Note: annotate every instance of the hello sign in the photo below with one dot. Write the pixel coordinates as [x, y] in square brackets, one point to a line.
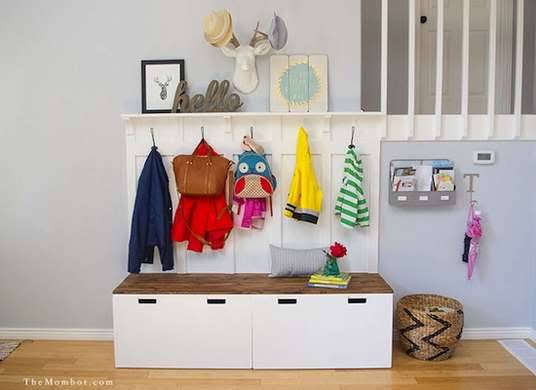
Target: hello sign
[214, 100]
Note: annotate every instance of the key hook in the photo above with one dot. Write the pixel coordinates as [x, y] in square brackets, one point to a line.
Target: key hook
[351, 146]
[152, 137]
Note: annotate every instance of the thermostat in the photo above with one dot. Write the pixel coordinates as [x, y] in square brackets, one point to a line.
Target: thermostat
[484, 157]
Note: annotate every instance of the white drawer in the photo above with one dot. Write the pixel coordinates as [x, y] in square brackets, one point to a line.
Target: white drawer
[182, 331]
[322, 331]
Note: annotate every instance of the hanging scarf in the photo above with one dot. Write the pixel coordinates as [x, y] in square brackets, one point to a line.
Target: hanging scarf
[250, 212]
[351, 204]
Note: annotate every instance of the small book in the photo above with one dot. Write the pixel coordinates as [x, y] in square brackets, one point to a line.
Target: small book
[327, 285]
[331, 282]
[343, 276]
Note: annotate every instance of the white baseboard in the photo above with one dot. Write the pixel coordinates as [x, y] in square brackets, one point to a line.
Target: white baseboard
[56, 334]
[107, 334]
[533, 335]
[496, 333]
[492, 333]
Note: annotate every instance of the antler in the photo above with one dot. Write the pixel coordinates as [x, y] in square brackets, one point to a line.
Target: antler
[257, 37]
[234, 41]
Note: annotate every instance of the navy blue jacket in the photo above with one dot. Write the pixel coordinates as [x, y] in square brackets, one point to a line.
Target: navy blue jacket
[151, 219]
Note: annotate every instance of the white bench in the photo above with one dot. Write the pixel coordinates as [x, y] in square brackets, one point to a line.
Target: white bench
[251, 321]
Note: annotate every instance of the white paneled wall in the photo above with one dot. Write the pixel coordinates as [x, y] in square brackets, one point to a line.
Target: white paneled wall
[329, 135]
[248, 251]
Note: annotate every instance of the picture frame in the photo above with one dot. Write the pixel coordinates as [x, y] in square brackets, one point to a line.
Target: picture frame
[159, 80]
[299, 83]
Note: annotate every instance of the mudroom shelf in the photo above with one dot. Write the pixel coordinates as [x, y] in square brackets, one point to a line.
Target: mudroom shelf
[256, 114]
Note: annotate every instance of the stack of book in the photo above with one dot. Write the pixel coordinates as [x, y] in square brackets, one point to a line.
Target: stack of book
[333, 281]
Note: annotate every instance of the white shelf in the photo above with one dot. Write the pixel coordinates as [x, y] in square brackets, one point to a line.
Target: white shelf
[255, 114]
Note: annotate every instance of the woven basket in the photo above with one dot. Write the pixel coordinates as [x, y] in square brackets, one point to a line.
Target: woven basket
[430, 326]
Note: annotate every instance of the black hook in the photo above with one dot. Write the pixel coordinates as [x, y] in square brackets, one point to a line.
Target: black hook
[251, 132]
[351, 146]
[202, 132]
[152, 136]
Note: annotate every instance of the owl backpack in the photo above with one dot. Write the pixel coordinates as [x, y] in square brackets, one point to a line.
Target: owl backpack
[253, 176]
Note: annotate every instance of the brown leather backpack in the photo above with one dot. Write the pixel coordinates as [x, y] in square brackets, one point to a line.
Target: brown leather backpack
[201, 175]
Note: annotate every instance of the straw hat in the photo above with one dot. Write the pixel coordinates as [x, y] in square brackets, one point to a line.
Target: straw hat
[218, 28]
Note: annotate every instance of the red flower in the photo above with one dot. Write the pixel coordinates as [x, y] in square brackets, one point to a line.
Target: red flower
[337, 250]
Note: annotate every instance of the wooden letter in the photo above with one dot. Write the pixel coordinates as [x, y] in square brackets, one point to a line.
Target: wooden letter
[179, 93]
[215, 99]
[211, 96]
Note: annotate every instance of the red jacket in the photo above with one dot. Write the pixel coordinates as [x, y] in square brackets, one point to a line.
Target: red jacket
[202, 220]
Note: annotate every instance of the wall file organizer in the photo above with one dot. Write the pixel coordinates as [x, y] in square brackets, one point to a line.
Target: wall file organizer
[422, 182]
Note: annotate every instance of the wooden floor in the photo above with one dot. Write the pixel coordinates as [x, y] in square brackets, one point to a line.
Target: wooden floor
[477, 365]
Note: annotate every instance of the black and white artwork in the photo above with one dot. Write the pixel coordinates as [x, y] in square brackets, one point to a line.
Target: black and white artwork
[159, 80]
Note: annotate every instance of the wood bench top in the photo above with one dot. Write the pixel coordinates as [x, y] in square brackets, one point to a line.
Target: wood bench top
[179, 283]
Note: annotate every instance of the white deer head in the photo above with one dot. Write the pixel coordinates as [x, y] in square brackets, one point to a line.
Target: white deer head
[218, 30]
[245, 77]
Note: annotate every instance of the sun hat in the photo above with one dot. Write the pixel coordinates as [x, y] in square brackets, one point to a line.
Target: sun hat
[218, 28]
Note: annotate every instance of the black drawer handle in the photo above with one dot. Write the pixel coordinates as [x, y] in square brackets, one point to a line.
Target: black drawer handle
[215, 301]
[287, 301]
[146, 300]
[357, 300]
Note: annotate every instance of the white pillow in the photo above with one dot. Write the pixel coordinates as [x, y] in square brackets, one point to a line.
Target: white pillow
[296, 262]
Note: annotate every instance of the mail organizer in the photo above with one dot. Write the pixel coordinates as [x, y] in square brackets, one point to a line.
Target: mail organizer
[426, 182]
[251, 321]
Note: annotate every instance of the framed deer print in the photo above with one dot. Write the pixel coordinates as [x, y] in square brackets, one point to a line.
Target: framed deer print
[159, 80]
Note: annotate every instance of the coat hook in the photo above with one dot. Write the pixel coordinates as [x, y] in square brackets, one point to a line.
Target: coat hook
[202, 132]
[471, 177]
[251, 131]
[152, 137]
[351, 146]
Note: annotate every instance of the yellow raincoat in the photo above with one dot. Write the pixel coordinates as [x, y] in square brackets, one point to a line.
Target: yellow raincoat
[305, 197]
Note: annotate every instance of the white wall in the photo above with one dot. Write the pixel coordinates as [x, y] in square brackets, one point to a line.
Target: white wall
[420, 248]
[69, 69]
[529, 57]
[533, 6]
[533, 298]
